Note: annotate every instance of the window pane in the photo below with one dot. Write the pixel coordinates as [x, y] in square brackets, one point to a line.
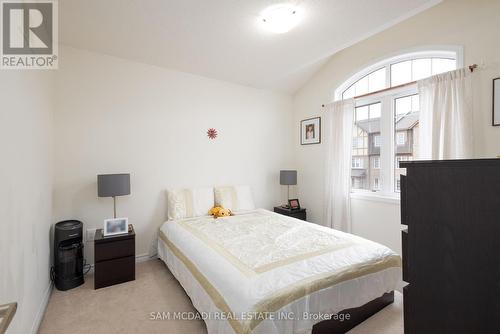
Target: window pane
[375, 110]
[365, 172]
[415, 103]
[441, 65]
[362, 86]
[421, 69]
[348, 93]
[362, 113]
[403, 105]
[406, 125]
[376, 80]
[370, 83]
[401, 73]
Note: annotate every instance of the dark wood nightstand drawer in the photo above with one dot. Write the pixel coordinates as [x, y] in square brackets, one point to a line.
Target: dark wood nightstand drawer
[114, 272]
[112, 250]
[114, 258]
[299, 213]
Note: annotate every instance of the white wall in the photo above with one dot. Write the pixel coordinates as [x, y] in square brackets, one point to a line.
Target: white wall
[25, 193]
[471, 24]
[115, 115]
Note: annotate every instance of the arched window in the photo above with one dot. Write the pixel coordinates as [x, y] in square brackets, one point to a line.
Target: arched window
[386, 121]
[400, 69]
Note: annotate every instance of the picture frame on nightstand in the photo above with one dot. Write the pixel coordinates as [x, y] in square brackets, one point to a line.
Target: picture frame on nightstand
[294, 204]
[115, 226]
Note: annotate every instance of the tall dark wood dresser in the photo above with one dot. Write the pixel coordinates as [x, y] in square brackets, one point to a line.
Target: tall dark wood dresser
[451, 248]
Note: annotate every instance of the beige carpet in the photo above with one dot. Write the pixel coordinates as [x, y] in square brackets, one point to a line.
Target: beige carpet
[126, 308]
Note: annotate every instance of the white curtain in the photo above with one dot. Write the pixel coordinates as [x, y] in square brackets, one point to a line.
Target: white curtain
[338, 130]
[446, 116]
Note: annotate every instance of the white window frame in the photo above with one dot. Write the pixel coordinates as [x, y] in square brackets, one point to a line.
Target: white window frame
[433, 51]
[377, 140]
[376, 165]
[387, 133]
[387, 191]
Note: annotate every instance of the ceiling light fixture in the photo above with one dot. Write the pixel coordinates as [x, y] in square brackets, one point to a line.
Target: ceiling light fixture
[280, 18]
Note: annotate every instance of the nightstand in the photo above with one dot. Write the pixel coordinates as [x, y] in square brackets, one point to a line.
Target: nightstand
[114, 259]
[299, 213]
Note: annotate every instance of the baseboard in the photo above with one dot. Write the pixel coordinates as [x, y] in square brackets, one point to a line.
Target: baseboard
[145, 257]
[41, 309]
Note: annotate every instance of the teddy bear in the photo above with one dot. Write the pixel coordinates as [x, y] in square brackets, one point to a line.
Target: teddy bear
[219, 211]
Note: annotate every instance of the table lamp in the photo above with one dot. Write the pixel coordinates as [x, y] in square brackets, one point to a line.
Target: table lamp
[288, 178]
[112, 185]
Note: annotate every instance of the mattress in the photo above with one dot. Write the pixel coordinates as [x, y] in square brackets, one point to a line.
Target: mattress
[261, 272]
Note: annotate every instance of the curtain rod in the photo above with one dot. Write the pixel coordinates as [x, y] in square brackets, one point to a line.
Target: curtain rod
[471, 68]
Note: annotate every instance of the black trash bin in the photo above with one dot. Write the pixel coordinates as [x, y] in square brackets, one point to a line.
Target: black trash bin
[68, 254]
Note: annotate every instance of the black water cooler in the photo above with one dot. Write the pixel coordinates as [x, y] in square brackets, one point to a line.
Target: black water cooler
[68, 254]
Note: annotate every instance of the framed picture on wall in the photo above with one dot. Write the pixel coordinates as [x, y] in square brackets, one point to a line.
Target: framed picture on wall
[310, 131]
[496, 102]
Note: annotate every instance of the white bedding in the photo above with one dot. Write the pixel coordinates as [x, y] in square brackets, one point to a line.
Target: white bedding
[261, 271]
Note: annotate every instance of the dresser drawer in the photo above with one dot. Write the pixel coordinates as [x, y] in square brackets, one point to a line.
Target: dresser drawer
[404, 249]
[404, 201]
[114, 271]
[407, 315]
[111, 250]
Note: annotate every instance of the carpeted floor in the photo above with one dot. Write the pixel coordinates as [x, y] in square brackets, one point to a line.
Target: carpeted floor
[126, 308]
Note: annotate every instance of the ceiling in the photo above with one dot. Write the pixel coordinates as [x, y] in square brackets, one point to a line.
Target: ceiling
[223, 39]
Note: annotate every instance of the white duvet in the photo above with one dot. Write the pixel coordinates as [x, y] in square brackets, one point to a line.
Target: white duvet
[261, 272]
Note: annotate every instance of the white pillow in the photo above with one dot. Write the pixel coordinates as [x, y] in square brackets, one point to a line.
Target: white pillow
[187, 203]
[234, 198]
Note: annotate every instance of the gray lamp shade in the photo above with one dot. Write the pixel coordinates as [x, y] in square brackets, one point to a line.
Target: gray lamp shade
[288, 177]
[111, 185]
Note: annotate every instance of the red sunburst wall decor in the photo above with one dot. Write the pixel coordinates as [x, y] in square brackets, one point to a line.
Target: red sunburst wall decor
[212, 133]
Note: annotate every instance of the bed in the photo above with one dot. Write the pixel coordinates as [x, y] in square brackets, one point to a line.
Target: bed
[261, 272]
